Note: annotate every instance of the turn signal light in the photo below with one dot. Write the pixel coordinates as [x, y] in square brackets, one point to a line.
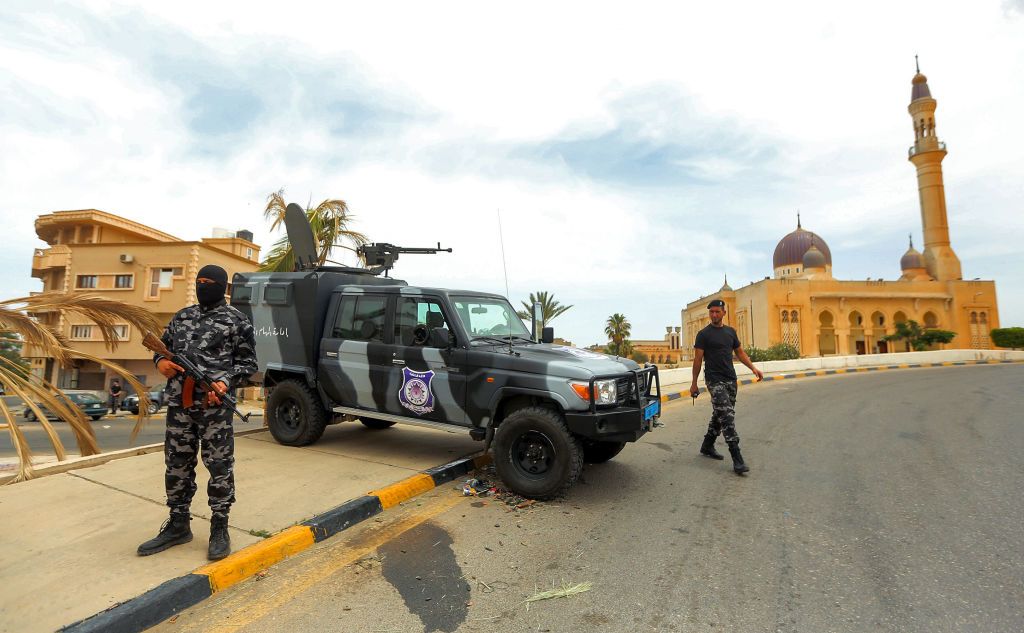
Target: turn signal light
[583, 391]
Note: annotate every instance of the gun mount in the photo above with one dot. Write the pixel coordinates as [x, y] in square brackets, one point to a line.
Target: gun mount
[381, 257]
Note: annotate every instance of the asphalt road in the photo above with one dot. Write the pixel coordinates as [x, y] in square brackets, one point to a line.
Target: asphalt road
[885, 501]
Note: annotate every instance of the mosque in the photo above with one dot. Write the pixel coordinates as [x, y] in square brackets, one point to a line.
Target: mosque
[803, 305]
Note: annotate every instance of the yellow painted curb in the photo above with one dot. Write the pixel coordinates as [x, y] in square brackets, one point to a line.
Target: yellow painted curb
[394, 494]
[257, 557]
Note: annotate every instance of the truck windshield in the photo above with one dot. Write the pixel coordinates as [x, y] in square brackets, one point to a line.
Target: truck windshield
[487, 317]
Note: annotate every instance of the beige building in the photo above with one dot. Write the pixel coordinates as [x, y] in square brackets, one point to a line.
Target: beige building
[667, 351]
[98, 252]
[803, 305]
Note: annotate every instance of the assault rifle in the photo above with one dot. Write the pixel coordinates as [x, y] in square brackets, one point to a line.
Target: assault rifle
[381, 257]
[192, 374]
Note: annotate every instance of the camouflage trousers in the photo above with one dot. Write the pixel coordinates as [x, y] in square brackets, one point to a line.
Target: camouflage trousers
[187, 430]
[723, 416]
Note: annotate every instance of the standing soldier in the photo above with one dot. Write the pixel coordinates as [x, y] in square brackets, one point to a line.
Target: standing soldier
[715, 345]
[220, 341]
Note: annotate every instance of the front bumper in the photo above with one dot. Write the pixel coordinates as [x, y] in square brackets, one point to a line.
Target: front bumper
[624, 423]
[621, 424]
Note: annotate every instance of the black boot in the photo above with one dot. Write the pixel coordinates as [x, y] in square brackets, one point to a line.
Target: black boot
[737, 459]
[220, 542]
[175, 531]
[708, 447]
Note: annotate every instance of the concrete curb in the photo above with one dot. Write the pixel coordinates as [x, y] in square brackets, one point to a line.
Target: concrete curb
[172, 597]
[675, 395]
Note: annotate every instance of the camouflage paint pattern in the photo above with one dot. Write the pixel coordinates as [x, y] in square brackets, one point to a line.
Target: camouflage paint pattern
[723, 411]
[188, 432]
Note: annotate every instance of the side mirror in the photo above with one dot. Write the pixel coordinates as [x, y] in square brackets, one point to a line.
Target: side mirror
[547, 335]
[538, 318]
[440, 338]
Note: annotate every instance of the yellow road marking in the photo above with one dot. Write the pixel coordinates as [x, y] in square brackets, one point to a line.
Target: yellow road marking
[257, 557]
[244, 605]
[394, 494]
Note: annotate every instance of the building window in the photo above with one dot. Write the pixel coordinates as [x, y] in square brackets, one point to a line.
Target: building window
[248, 252]
[81, 332]
[86, 281]
[162, 279]
[124, 281]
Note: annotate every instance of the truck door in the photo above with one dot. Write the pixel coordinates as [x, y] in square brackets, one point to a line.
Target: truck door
[356, 353]
[431, 382]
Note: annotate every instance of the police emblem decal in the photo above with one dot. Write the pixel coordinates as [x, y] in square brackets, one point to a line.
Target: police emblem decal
[416, 393]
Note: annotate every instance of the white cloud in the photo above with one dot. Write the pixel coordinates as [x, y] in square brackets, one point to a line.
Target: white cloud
[726, 119]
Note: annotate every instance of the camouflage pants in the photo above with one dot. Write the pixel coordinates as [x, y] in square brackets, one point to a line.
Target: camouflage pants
[723, 416]
[187, 429]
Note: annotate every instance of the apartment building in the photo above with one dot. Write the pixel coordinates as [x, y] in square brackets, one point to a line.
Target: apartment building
[99, 252]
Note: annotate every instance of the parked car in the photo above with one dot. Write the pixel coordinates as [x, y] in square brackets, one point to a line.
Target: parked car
[130, 403]
[87, 401]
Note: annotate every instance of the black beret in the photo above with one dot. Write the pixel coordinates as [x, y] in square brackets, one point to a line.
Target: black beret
[716, 303]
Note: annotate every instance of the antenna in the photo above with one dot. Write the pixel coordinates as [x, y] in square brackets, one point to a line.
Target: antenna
[504, 266]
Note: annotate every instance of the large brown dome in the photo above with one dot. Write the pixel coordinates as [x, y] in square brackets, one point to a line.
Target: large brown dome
[791, 249]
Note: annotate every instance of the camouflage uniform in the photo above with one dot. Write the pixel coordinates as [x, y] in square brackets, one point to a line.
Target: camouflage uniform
[723, 416]
[220, 341]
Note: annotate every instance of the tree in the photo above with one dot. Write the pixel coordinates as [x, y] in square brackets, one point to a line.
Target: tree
[618, 329]
[550, 309]
[17, 320]
[640, 357]
[1012, 337]
[329, 221]
[918, 338]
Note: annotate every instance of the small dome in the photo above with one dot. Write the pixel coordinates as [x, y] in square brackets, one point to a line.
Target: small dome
[790, 250]
[725, 286]
[912, 258]
[920, 88]
[814, 258]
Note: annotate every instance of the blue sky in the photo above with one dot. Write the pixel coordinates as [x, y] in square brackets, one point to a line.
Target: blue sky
[635, 156]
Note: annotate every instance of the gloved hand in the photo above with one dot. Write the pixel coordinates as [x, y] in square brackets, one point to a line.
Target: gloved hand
[168, 368]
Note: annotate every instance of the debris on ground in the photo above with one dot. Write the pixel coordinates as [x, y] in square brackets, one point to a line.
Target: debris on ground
[487, 484]
[564, 591]
[260, 575]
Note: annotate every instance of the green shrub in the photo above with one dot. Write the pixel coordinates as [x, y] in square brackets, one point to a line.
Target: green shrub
[1012, 337]
[779, 351]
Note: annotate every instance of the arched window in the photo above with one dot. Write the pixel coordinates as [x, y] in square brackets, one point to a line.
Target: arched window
[794, 316]
[791, 328]
[930, 320]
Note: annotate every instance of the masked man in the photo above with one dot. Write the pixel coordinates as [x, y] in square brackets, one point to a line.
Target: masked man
[220, 341]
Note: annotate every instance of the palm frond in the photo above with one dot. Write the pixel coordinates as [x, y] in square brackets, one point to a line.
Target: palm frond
[21, 447]
[140, 389]
[33, 332]
[275, 209]
[106, 313]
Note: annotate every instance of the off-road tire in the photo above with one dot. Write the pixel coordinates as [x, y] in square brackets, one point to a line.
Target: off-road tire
[522, 434]
[95, 417]
[294, 414]
[595, 452]
[376, 424]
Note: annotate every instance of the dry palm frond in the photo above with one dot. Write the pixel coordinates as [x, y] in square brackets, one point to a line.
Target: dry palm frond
[139, 388]
[39, 395]
[105, 313]
[328, 221]
[20, 445]
[564, 591]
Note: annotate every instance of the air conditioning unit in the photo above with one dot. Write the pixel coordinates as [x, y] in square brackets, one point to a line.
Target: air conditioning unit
[126, 258]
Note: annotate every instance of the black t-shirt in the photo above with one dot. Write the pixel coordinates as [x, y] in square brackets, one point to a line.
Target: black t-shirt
[718, 344]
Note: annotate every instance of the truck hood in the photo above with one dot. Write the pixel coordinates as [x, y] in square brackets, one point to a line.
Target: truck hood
[560, 360]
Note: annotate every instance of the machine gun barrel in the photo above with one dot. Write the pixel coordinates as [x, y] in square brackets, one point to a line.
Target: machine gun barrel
[205, 382]
[380, 257]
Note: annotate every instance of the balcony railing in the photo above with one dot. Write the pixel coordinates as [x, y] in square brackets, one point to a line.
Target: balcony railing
[55, 257]
[921, 148]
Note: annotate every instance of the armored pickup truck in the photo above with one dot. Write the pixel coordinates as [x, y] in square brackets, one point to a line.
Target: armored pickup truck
[337, 343]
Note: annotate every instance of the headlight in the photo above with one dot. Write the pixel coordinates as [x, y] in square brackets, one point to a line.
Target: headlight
[605, 391]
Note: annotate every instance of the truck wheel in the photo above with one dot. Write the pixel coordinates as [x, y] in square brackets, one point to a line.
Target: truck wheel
[152, 408]
[536, 455]
[294, 414]
[376, 424]
[595, 452]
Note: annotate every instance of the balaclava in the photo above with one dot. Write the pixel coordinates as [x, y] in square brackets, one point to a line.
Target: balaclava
[211, 294]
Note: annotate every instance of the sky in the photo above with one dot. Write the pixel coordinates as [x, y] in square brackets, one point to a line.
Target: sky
[636, 153]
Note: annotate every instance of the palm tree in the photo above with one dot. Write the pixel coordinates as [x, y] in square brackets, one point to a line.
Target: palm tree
[17, 318]
[550, 309]
[618, 330]
[329, 221]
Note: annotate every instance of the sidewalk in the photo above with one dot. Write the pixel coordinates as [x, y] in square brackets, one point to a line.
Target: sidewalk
[69, 543]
